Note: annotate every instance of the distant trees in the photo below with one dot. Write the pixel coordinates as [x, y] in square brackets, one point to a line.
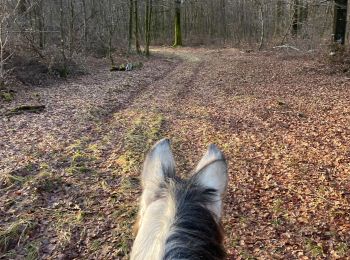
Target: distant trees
[101, 26]
[8, 18]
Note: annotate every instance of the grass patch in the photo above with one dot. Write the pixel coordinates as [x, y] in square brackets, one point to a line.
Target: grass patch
[19, 176]
[314, 249]
[7, 96]
[45, 182]
[124, 215]
[343, 249]
[143, 132]
[95, 245]
[65, 223]
[15, 233]
[79, 170]
[277, 206]
[8, 179]
[79, 158]
[81, 155]
[32, 250]
[128, 183]
[79, 216]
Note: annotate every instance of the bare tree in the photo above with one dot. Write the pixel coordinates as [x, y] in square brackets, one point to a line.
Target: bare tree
[8, 17]
[131, 7]
[136, 31]
[148, 22]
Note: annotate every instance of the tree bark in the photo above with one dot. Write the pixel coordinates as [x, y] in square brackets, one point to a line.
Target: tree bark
[131, 5]
[136, 16]
[224, 23]
[64, 58]
[262, 23]
[148, 19]
[178, 33]
[295, 23]
[347, 36]
[340, 17]
[85, 32]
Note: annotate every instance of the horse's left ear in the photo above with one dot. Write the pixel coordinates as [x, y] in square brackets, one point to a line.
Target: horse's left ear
[211, 172]
[159, 164]
[158, 167]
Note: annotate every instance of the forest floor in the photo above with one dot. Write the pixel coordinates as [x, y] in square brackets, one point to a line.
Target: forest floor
[69, 174]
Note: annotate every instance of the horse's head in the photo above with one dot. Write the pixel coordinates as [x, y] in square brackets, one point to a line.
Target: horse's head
[180, 219]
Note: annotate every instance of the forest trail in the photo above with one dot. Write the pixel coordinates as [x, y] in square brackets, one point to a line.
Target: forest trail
[69, 176]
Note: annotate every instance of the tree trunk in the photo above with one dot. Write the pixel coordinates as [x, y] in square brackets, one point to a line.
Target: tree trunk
[71, 28]
[295, 22]
[279, 17]
[347, 36]
[131, 4]
[40, 23]
[64, 58]
[262, 23]
[178, 34]
[85, 32]
[2, 47]
[224, 23]
[340, 16]
[148, 19]
[137, 42]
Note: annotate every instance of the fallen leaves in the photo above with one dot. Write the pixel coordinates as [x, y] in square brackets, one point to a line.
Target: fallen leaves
[285, 133]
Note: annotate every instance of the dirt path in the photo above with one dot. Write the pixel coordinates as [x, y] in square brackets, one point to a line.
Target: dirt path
[71, 173]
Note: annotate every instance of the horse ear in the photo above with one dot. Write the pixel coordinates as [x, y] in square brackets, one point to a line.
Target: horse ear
[159, 164]
[211, 172]
[158, 167]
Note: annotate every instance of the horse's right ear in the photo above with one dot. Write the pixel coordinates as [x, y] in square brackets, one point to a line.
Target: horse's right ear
[211, 172]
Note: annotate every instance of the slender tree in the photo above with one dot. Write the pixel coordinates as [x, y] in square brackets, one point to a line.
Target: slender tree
[131, 7]
[64, 71]
[148, 22]
[136, 31]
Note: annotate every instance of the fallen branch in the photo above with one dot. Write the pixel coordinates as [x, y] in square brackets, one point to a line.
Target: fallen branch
[127, 67]
[26, 108]
[287, 46]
